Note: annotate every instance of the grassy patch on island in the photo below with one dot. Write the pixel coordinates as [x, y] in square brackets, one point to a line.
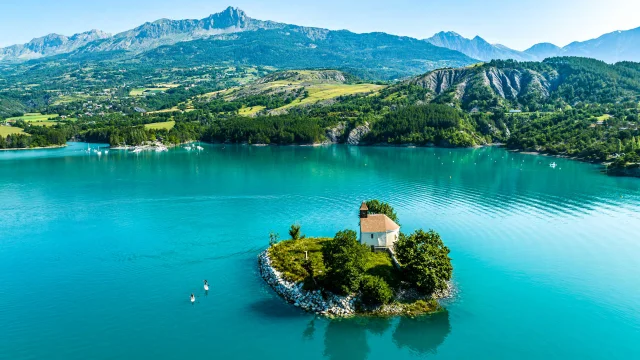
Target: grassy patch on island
[288, 256]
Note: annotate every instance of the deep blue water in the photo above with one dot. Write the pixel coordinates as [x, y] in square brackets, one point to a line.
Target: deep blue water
[98, 256]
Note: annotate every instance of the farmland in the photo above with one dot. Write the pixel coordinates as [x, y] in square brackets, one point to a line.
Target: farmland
[33, 117]
[9, 130]
[167, 125]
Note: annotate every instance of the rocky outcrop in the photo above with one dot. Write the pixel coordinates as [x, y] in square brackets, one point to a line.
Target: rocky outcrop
[311, 301]
[336, 133]
[356, 135]
[504, 83]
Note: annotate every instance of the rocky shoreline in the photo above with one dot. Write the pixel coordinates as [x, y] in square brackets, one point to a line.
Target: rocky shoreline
[311, 301]
[334, 305]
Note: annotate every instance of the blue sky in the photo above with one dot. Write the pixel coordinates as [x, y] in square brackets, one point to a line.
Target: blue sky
[515, 23]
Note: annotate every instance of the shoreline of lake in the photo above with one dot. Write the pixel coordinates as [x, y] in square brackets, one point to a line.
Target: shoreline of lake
[37, 148]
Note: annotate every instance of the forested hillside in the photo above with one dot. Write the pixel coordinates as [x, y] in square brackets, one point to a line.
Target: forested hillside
[574, 107]
[532, 86]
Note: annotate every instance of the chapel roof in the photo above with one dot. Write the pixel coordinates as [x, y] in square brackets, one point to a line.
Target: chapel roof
[377, 223]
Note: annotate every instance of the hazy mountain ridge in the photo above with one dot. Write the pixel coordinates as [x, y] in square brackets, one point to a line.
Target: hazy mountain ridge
[52, 44]
[612, 47]
[477, 48]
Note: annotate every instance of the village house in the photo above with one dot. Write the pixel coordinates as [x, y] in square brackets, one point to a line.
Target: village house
[377, 230]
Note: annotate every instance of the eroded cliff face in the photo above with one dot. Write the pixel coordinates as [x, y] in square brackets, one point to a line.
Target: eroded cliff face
[356, 135]
[507, 83]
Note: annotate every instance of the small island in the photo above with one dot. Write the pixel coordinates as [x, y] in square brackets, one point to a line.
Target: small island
[383, 272]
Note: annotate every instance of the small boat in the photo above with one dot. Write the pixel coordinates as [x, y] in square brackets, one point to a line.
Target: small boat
[106, 152]
[553, 165]
[137, 149]
[206, 286]
[199, 147]
[193, 298]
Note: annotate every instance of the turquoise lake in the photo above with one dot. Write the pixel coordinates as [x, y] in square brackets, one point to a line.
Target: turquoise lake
[98, 255]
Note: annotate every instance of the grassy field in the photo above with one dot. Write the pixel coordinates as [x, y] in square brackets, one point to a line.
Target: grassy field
[250, 111]
[287, 257]
[167, 125]
[43, 123]
[70, 98]
[33, 117]
[324, 92]
[144, 91]
[9, 130]
[173, 109]
[604, 117]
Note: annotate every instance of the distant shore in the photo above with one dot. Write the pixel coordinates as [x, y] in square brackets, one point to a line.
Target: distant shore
[36, 148]
[629, 171]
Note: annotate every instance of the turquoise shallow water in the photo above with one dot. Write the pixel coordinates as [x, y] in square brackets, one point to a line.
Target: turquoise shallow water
[98, 256]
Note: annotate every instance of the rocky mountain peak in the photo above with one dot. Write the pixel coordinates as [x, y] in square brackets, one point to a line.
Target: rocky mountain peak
[228, 18]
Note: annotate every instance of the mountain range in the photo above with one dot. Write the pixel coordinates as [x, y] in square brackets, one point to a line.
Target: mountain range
[477, 48]
[611, 47]
[232, 36]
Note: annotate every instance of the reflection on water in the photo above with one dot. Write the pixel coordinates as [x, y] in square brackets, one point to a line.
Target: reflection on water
[347, 338]
[422, 335]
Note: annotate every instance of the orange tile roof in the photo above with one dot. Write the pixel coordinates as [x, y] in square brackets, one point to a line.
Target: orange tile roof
[364, 206]
[377, 223]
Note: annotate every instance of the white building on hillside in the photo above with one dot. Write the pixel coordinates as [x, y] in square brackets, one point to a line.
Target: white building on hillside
[377, 229]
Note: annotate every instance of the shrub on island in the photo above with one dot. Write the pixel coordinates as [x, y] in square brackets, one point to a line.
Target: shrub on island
[425, 260]
[345, 260]
[375, 291]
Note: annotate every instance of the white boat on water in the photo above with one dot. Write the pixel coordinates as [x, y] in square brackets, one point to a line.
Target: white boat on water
[553, 165]
[199, 147]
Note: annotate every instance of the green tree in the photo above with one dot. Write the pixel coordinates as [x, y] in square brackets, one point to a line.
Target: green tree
[379, 207]
[375, 290]
[425, 260]
[295, 232]
[273, 238]
[345, 260]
